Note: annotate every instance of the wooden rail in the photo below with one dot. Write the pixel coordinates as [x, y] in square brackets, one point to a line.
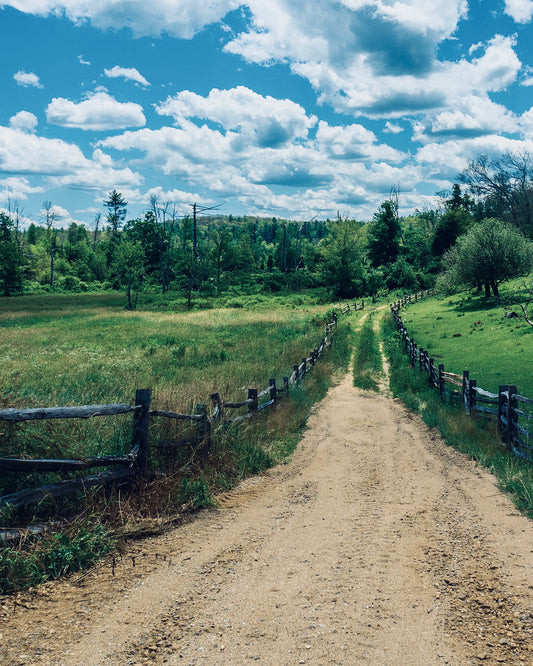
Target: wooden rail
[135, 463]
[514, 423]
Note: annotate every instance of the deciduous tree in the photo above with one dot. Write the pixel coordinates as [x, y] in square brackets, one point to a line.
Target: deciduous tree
[491, 252]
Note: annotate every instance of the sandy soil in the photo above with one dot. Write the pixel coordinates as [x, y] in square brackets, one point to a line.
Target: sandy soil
[376, 544]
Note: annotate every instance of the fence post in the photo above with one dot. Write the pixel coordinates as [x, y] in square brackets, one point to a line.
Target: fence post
[252, 395]
[203, 427]
[503, 401]
[432, 372]
[362, 305]
[286, 385]
[273, 390]
[414, 355]
[472, 395]
[217, 402]
[511, 414]
[304, 369]
[441, 380]
[141, 426]
[296, 369]
[466, 404]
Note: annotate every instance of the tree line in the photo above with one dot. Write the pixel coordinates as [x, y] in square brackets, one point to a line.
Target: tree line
[490, 207]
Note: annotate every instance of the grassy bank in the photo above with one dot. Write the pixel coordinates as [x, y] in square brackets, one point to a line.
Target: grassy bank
[468, 332]
[67, 350]
[473, 436]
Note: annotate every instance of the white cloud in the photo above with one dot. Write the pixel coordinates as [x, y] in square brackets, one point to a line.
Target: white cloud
[474, 116]
[392, 128]
[446, 160]
[61, 163]
[128, 73]
[27, 79]
[264, 121]
[82, 60]
[353, 142]
[180, 19]
[23, 121]
[520, 10]
[16, 188]
[99, 111]
[174, 196]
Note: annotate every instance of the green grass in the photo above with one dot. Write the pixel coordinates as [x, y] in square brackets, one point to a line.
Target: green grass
[60, 350]
[475, 437]
[367, 366]
[68, 350]
[466, 332]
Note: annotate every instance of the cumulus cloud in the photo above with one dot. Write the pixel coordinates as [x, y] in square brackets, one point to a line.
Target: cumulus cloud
[23, 121]
[128, 73]
[180, 19]
[27, 79]
[520, 10]
[99, 111]
[392, 128]
[475, 116]
[17, 188]
[447, 159]
[353, 142]
[61, 163]
[264, 121]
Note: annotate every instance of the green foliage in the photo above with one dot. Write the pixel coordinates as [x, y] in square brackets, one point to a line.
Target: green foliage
[53, 556]
[384, 234]
[367, 365]
[341, 259]
[10, 258]
[116, 210]
[468, 333]
[488, 254]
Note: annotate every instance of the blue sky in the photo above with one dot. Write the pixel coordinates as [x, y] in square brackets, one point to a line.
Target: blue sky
[282, 108]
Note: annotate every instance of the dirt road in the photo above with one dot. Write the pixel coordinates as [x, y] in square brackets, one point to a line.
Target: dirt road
[375, 545]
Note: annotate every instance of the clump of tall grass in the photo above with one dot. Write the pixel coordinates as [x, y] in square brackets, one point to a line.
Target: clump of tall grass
[53, 556]
[474, 436]
[367, 365]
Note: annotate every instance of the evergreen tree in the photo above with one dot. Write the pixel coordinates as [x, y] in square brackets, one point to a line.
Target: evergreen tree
[384, 234]
[116, 210]
[10, 258]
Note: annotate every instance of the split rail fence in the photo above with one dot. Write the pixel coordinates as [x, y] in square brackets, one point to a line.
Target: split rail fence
[507, 407]
[135, 463]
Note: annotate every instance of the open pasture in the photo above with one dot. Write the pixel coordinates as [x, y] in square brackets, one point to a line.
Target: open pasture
[465, 332]
[86, 349]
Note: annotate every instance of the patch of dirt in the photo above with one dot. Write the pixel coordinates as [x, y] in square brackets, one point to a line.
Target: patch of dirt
[376, 544]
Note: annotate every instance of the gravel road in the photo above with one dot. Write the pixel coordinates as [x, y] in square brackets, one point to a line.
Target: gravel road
[376, 544]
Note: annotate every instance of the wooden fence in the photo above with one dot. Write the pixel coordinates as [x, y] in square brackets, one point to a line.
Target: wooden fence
[135, 463]
[507, 407]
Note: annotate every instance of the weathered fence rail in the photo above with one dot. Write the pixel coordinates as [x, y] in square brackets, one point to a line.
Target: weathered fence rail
[514, 423]
[135, 463]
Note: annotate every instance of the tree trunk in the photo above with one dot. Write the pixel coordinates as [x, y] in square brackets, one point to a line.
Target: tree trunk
[487, 289]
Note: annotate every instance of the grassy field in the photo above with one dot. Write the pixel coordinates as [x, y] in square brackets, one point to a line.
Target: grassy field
[467, 332]
[86, 349]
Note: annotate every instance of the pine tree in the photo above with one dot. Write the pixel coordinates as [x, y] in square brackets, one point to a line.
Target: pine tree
[10, 259]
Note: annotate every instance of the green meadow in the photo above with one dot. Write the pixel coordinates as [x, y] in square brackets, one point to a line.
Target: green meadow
[60, 350]
[469, 332]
